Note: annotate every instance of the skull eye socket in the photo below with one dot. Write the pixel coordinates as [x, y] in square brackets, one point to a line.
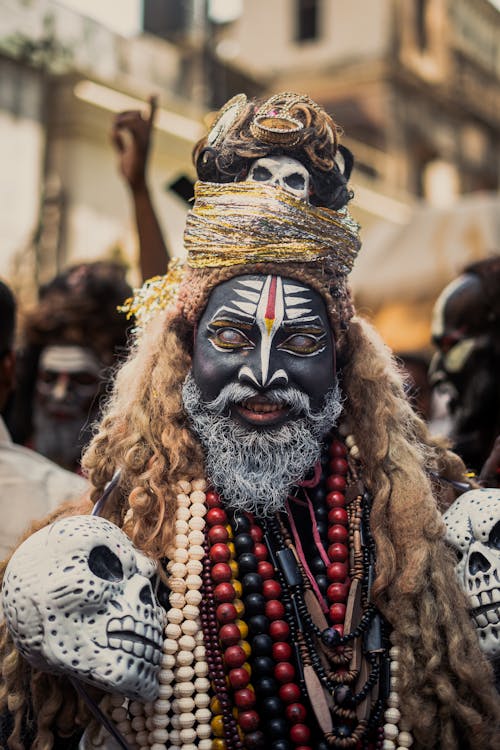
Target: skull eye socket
[105, 564]
[295, 181]
[494, 537]
[261, 174]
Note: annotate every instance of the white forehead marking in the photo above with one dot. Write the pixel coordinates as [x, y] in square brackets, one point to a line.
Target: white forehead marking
[293, 288]
[298, 313]
[255, 298]
[69, 359]
[291, 300]
[296, 300]
[247, 307]
[252, 283]
[437, 324]
[270, 314]
[252, 296]
[226, 309]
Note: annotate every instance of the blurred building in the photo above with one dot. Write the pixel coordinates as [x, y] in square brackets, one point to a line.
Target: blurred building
[415, 86]
[413, 83]
[62, 78]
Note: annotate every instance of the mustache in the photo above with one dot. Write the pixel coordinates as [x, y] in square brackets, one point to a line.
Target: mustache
[235, 393]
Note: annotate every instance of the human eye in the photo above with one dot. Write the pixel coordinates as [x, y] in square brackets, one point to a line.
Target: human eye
[303, 343]
[228, 336]
[48, 376]
[84, 378]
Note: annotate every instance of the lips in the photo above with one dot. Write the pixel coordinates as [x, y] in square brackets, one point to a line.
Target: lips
[260, 410]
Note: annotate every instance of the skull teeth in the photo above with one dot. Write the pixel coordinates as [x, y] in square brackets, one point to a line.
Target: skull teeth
[134, 637]
[489, 616]
[484, 601]
[486, 597]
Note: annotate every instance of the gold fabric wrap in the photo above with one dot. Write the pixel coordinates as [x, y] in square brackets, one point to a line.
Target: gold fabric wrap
[241, 223]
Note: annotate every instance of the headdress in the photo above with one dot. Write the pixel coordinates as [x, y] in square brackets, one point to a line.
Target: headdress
[238, 226]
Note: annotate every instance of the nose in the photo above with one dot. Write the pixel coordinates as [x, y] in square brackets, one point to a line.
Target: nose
[478, 563]
[60, 388]
[146, 595]
[247, 376]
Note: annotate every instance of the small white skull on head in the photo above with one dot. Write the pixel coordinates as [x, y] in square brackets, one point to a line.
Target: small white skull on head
[473, 530]
[289, 173]
[78, 600]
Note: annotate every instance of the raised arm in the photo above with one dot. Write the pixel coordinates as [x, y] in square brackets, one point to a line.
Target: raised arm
[131, 136]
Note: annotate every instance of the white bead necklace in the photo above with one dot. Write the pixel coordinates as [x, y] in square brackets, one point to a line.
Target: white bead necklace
[180, 715]
[396, 733]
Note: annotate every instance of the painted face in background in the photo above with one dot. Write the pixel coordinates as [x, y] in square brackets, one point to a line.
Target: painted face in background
[466, 365]
[66, 388]
[268, 333]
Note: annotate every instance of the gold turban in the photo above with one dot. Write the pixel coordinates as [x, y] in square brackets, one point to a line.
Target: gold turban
[240, 223]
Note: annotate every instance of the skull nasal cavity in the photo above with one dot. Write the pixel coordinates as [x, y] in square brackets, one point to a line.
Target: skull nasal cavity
[105, 564]
[478, 563]
[146, 595]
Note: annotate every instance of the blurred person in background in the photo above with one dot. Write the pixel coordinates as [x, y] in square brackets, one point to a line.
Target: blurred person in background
[71, 340]
[31, 484]
[131, 136]
[466, 333]
[418, 388]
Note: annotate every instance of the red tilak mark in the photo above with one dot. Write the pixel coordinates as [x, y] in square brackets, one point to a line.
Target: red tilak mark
[271, 300]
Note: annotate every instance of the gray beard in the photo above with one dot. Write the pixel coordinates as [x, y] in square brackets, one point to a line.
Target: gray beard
[255, 470]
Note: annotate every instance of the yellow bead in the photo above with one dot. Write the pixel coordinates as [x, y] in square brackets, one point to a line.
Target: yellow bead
[234, 568]
[218, 744]
[215, 706]
[229, 531]
[231, 548]
[247, 666]
[239, 606]
[217, 725]
[237, 587]
[246, 648]
[243, 628]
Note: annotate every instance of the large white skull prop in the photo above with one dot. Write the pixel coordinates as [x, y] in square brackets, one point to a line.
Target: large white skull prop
[78, 600]
[289, 173]
[473, 530]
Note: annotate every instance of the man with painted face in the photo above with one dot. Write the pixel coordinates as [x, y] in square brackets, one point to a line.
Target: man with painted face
[466, 332]
[71, 339]
[263, 392]
[271, 462]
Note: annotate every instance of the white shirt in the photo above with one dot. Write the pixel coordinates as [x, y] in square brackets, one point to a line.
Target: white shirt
[30, 487]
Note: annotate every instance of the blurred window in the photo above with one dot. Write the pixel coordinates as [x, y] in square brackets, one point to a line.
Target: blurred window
[440, 183]
[306, 20]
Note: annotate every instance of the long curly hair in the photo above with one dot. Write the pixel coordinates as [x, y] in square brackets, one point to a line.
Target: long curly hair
[445, 684]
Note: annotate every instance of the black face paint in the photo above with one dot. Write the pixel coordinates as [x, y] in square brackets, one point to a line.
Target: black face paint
[268, 333]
